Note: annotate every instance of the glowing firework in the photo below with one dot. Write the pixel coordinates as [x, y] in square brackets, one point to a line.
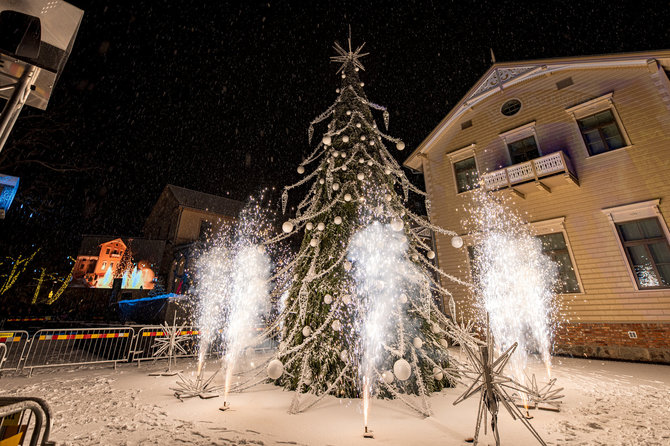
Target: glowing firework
[514, 280]
[381, 274]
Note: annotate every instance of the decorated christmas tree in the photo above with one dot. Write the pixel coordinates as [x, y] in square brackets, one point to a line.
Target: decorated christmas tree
[361, 246]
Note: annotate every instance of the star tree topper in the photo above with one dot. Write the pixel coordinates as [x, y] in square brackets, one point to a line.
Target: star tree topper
[345, 57]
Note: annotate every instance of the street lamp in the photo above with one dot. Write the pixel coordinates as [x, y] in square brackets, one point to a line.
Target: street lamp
[36, 38]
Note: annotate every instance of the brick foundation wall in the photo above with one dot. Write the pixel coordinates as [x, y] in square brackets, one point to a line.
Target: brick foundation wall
[611, 341]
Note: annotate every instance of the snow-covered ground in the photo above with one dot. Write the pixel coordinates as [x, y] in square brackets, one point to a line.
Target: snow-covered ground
[606, 403]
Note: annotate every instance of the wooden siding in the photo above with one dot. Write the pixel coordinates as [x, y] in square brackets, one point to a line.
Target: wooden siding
[637, 173]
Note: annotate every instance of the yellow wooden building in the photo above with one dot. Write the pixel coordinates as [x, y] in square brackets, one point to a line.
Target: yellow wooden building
[582, 144]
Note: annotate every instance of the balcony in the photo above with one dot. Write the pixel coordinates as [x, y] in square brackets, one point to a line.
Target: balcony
[542, 173]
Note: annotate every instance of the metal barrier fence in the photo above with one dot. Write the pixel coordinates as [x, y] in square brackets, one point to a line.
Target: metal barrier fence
[58, 347]
[3, 354]
[15, 343]
[149, 341]
[25, 418]
[81, 346]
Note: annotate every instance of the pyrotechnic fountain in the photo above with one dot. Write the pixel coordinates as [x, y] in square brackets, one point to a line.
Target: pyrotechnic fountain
[233, 290]
[382, 273]
[246, 301]
[514, 280]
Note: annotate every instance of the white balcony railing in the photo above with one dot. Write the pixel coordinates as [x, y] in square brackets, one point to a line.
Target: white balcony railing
[543, 166]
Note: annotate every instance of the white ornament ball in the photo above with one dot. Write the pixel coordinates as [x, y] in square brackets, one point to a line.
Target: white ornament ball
[347, 197]
[306, 330]
[438, 373]
[347, 265]
[307, 380]
[321, 226]
[361, 161]
[372, 143]
[301, 170]
[348, 112]
[335, 153]
[322, 181]
[434, 328]
[356, 69]
[397, 224]
[337, 90]
[402, 370]
[328, 299]
[417, 342]
[370, 163]
[388, 377]
[344, 355]
[313, 243]
[336, 186]
[400, 145]
[337, 220]
[388, 197]
[344, 168]
[387, 171]
[345, 138]
[287, 227]
[346, 299]
[457, 242]
[444, 343]
[362, 84]
[358, 125]
[403, 298]
[362, 137]
[275, 369]
[430, 255]
[343, 155]
[344, 76]
[360, 176]
[326, 140]
[309, 226]
[414, 257]
[336, 325]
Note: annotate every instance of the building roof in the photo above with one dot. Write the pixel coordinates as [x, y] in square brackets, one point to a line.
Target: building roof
[204, 201]
[504, 74]
[143, 249]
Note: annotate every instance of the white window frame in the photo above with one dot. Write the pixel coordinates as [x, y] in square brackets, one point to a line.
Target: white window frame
[632, 212]
[558, 225]
[536, 228]
[591, 107]
[459, 155]
[519, 133]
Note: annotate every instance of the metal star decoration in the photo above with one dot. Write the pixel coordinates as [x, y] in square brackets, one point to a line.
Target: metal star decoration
[489, 381]
[348, 57]
[190, 388]
[170, 345]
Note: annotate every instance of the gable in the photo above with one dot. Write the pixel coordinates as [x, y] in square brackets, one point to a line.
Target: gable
[501, 75]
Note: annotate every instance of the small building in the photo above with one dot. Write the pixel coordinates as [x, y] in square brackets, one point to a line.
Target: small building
[99, 257]
[183, 217]
[582, 144]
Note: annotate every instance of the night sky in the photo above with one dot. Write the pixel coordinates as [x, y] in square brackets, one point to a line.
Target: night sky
[218, 97]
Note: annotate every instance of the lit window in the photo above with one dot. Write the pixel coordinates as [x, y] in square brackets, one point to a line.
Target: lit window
[647, 251]
[554, 246]
[104, 265]
[467, 177]
[601, 132]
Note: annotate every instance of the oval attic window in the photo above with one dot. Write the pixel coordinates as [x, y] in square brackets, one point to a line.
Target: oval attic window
[511, 107]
